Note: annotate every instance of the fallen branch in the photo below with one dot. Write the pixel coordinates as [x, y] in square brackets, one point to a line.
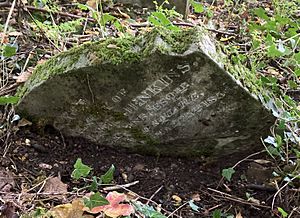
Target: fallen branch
[31, 8]
[237, 199]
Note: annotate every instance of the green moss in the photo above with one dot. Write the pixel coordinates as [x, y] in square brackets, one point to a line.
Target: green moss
[139, 135]
[99, 111]
[114, 50]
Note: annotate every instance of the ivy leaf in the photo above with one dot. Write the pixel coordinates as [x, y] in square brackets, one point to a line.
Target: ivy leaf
[109, 175]
[274, 52]
[147, 210]
[95, 200]
[9, 100]
[9, 51]
[198, 7]
[271, 140]
[161, 18]
[260, 12]
[297, 72]
[82, 7]
[106, 17]
[297, 57]
[282, 211]
[94, 184]
[193, 206]
[80, 170]
[292, 84]
[217, 213]
[227, 173]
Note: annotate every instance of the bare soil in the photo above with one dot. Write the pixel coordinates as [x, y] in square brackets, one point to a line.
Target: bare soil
[32, 155]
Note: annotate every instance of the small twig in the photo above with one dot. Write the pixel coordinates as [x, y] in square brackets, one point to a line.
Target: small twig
[214, 207]
[90, 89]
[6, 90]
[236, 199]
[116, 187]
[222, 32]
[261, 188]
[294, 210]
[27, 59]
[171, 214]
[152, 196]
[240, 161]
[12, 6]
[279, 190]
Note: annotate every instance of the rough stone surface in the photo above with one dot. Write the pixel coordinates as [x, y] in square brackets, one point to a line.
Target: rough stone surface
[180, 6]
[163, 92]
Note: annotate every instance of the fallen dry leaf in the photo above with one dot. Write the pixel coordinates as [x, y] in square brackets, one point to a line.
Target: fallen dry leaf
[8, 210]
[239, 215]
[93, 3]
[196, 197]
[55, 186]
[177, 200]
[23, 122]
[73, 210]
[4, 38]
[23, 77]
[7, 181]
[113, 46]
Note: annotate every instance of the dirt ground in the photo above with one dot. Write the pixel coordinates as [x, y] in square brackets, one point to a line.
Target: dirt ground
[33, 156]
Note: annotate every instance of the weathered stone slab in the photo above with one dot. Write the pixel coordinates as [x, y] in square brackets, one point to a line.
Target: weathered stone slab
[164, 92]
[180, 6]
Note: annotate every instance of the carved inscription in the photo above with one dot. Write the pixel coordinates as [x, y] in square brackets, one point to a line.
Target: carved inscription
[155, 88]
[169, 99]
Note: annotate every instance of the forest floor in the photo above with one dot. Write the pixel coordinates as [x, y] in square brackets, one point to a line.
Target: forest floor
[30, 158]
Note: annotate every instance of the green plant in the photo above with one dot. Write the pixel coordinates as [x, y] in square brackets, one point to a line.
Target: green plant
[272, 71]
[58, 32]
[101, 18]
[227, 173]
[147, 210]
[282, 212]
[9, 100]
[162, 17]
[198, 7]
[82, 170]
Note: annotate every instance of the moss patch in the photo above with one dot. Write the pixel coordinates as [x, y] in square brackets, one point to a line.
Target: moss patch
[114, 50]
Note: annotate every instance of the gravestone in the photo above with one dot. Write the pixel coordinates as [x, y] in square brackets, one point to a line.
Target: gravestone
[181, 6]
[164, 92]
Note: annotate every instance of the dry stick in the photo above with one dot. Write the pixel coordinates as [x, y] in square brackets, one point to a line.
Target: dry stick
[116, 187]
[214, 207]
[171, 214]
[279, 190]
[152, 196]
[222, 32]
[12, 6]
[27, 59]
[294, 210]
[236, 199]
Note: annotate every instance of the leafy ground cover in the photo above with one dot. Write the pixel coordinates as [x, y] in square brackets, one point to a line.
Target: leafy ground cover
[41, 175]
